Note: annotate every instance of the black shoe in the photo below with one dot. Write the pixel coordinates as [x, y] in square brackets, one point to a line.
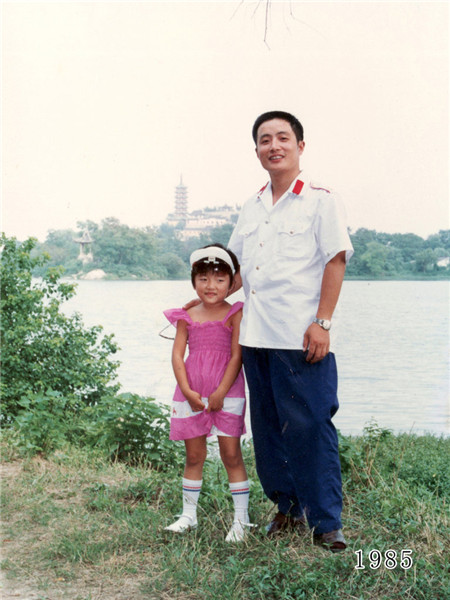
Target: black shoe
[283, 522]
[332, 540]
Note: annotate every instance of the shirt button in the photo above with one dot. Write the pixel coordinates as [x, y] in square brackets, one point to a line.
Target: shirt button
[261, 244]
[266, 222]
[257, 268]
[253, 292]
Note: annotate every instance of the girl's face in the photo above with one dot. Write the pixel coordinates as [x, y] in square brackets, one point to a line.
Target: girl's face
[212, 287]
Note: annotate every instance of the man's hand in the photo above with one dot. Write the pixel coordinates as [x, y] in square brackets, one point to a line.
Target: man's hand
[191, 303]
[317, 341]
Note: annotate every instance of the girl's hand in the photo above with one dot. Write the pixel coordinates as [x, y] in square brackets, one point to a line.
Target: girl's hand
[195, 401]
[215, 402]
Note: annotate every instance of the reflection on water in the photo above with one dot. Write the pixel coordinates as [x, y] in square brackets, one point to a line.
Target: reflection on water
[392, 349]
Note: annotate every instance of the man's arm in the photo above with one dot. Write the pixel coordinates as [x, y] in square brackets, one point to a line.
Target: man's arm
[316, 340]
[237, 284]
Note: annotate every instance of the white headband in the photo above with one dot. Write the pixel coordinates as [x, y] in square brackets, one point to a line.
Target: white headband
[209, 255]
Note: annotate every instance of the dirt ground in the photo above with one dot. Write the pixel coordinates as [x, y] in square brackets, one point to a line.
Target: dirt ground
[90, 584]
[9, 589]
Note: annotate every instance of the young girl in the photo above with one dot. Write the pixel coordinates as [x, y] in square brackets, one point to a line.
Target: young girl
[210, 396]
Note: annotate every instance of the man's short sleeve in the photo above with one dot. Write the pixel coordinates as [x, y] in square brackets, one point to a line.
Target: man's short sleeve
[332, 231]
[236, 241]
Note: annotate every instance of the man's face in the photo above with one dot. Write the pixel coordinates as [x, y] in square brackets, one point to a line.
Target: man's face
[277, 147]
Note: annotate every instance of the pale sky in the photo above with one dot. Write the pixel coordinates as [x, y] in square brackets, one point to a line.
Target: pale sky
[105, 104]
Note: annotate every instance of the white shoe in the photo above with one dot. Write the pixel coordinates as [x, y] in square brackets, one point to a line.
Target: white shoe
[184, 523]
[238, 531]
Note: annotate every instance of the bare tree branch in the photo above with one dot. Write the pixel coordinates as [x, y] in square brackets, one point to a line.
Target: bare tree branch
[266, 24]
[236, 9]
[268, 5]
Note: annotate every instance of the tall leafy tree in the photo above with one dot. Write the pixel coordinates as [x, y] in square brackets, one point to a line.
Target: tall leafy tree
[43, 349]
[374, 258]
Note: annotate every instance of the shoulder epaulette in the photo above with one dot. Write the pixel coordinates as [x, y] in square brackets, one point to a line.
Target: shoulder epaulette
[316, 186]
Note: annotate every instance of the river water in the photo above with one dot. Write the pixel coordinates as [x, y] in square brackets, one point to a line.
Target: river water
[392, 351]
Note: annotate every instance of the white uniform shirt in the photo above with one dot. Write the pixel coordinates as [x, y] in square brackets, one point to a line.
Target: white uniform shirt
[283, 250]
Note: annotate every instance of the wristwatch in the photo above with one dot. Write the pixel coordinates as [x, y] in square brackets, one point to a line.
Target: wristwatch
[324, 323]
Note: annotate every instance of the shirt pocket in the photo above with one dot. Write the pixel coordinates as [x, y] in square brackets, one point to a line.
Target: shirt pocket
[249, 234]
[295, 240]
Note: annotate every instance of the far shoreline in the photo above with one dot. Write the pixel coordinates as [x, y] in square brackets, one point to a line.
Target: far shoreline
[109, 277]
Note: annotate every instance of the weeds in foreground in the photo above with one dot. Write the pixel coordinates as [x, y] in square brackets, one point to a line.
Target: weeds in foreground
[80, 527]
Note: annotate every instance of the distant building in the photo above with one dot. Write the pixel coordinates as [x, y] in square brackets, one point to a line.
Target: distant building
[444, 261]
[85, 242]
[192, 224]
[181, 203]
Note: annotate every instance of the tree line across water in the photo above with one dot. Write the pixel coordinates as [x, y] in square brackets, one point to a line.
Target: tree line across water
[125, 252]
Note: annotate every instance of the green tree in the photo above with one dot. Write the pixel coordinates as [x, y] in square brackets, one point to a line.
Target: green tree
[360, 239]
[124, 251]
[168, 240]
[175, 267]
[61, 249]
[43, 349]
[221, 234]
[409, 244]
[425, 261]
[89, 226]
[374, 259]
[441, 241]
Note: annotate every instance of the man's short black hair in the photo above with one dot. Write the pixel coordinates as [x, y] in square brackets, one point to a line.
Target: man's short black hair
[297, 127]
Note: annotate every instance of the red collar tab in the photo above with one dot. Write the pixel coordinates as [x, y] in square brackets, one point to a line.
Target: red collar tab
[262, 189]
[298, 187]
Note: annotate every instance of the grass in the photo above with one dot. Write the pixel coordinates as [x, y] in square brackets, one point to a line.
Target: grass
[77, 526]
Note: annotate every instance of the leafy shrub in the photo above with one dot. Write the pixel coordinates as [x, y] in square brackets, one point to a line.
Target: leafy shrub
[126, 427]
[42, 348]
[378, 455]
[133, 429]
[421, 461]
[351, 456]
[43, 422]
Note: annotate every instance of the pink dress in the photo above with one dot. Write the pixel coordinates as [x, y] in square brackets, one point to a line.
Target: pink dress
[209, 353]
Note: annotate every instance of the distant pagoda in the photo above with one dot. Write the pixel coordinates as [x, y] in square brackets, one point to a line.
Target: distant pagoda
[193, 224]
[85, 248]
[181, 202]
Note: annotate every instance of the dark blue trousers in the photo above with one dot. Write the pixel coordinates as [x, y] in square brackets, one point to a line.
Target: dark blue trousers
[292, 403]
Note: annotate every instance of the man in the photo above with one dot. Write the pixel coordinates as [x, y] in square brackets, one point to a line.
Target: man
[292, 242]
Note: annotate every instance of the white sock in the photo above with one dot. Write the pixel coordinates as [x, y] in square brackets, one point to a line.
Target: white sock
[240, 494]
[191, 492]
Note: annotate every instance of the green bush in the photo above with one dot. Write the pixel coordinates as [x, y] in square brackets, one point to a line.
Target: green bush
[133, 429]
[43, 349]
[126, 427]
[44, 421]
[419, 461]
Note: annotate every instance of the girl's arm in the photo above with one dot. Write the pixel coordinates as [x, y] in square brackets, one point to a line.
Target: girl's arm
[179, 368]
[215, 401]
